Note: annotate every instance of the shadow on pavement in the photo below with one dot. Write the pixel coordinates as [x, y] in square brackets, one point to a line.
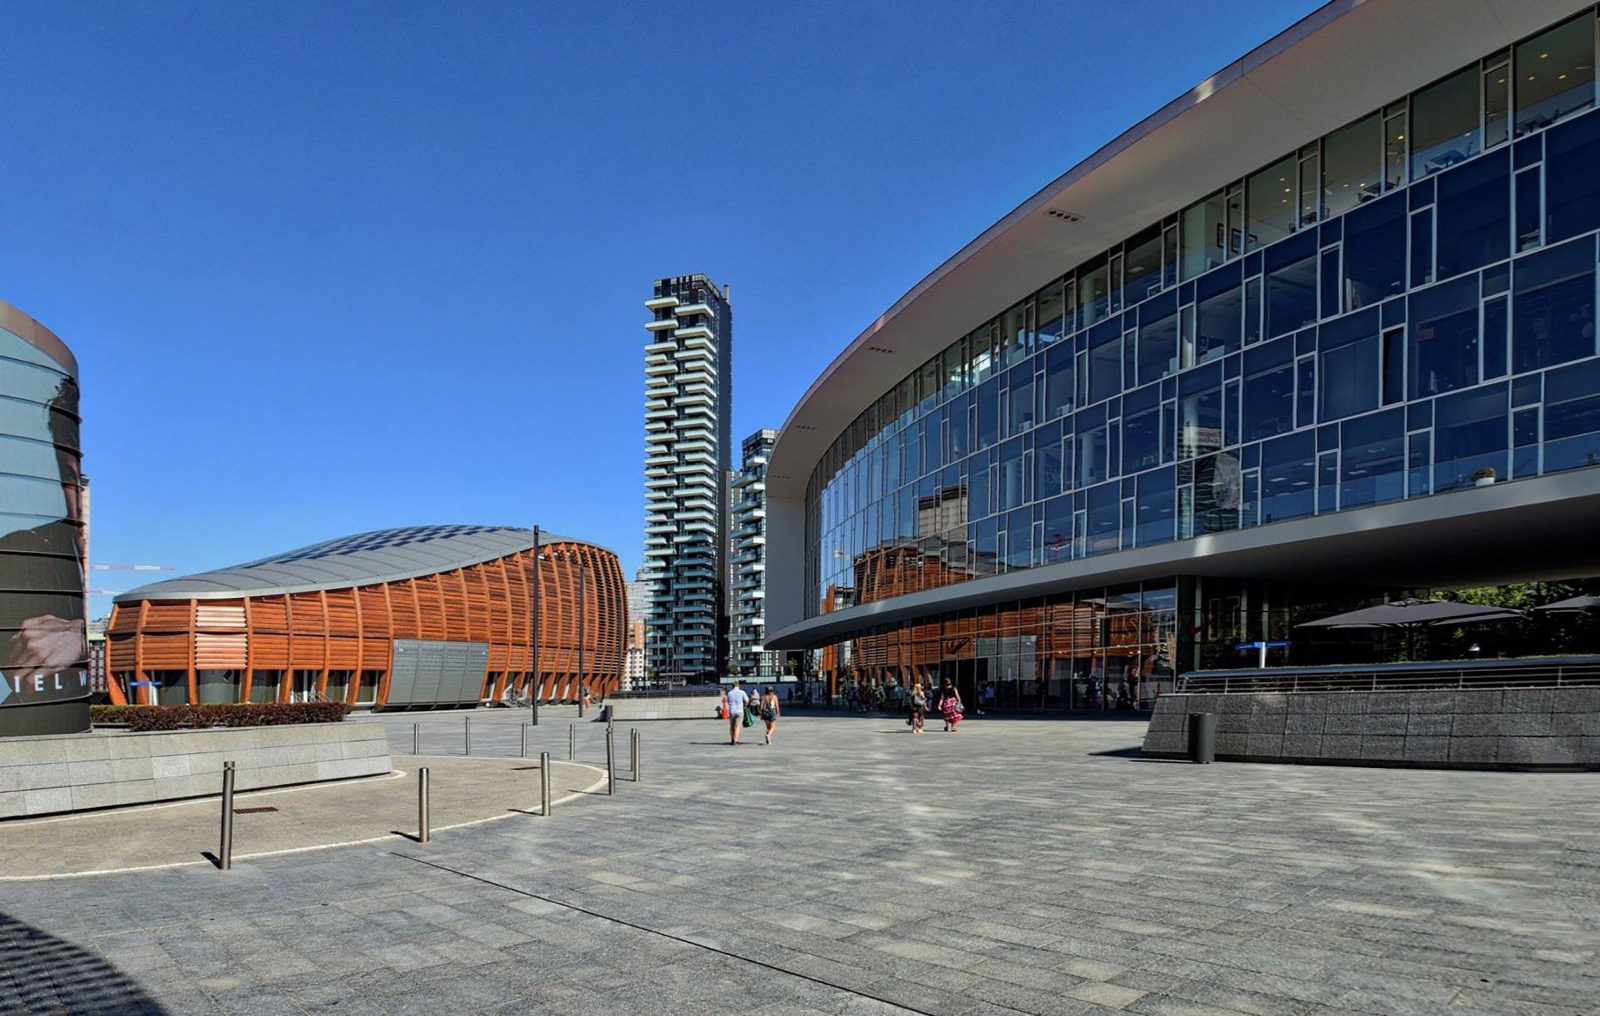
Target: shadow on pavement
[45, 974]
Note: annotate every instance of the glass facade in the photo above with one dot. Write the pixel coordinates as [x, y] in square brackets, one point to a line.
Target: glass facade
[1404, 307]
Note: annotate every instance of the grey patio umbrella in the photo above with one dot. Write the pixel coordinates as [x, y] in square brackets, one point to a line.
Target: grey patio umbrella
[1572, 605]
[1414, 614]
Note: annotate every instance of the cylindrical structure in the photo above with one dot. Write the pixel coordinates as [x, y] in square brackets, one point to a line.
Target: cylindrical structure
[225, 848]
[524, 753]
[44, 653]
[466, 733]
[611, 761]
[416, 738]
[422, 805]
[1202, 737]
[544, 784]
[634, 761]
[572, 742]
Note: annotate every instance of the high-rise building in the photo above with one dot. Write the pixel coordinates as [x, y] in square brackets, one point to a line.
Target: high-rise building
[633, 667]
[688, 401]
[749, 552]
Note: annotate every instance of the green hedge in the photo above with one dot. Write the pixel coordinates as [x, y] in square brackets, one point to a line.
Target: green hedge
[142, 718]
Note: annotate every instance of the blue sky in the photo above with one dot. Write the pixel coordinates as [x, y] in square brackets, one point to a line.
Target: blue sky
[337, 267]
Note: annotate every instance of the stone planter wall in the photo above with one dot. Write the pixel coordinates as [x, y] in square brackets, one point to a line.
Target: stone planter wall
[76, 772]
[1491, 728]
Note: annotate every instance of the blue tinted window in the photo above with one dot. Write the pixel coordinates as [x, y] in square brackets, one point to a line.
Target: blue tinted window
[1572, 178]
[1105, 518]
[1105, 360]
[1268, 408]
[1375, 251]
[1372, 459]
[1444, 338]
[1572, 417]
[1093, 446]
[1291, 284]
[1141, 430]
[1469, 434]
[1155, 509]
[1158, 340]
[1348, 364]
[1059, 382]
[1552, 311]
[1288, 474]
[1218, 493]
[1474, 211]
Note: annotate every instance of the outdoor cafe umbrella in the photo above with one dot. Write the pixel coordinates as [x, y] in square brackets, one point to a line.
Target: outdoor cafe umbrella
[1572, 605]
[1414, 614]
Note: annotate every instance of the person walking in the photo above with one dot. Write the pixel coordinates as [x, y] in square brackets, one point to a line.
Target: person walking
[919, 707]
[949, 704]
[769, 712]
[738, 702]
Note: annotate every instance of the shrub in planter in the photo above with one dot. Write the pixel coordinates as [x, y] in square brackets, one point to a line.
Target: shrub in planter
[146, 718]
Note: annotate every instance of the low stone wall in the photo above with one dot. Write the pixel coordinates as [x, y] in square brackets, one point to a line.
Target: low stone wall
[76, 772]
[681, 707]
[1470, 729]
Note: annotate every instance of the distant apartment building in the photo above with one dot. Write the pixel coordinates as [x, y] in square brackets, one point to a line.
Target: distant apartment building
[633, 665]
[748, 540]
[688, 405]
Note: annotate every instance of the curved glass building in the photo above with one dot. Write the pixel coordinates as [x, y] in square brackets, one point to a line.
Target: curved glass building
[44, 676]
[1323, 325]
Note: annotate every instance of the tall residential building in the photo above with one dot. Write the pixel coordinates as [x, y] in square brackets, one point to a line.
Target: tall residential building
[748, 546]
[688, 405]
[633, 667]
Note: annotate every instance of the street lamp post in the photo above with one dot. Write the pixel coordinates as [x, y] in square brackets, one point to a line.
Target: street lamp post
[533, 633]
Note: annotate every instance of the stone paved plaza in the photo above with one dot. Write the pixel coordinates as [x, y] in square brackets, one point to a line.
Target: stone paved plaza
[1018, 866]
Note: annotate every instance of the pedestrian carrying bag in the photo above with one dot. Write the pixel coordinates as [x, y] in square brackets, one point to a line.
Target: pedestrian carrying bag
[749, 720]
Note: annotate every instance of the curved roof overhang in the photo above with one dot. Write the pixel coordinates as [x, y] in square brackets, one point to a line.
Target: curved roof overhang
[37, 335]
[1346, 59]
[276, 576]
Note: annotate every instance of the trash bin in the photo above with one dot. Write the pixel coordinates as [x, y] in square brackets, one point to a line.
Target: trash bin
[1202, 737]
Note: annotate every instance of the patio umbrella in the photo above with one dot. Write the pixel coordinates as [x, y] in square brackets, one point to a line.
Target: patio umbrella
[1414, 614]
[1572, 605]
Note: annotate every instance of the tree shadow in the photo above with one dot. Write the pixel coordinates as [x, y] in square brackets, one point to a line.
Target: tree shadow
[48, 974]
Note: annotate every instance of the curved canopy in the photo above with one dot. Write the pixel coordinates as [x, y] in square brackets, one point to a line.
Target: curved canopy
[384, 555]
[1414, 614]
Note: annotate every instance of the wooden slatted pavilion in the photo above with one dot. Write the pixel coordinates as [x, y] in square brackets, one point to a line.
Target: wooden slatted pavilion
[323, 623]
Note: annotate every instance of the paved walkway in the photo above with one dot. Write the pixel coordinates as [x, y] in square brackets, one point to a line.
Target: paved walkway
[1015, 867]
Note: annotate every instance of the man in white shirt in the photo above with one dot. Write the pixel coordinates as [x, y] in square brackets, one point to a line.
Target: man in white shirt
[737, 701]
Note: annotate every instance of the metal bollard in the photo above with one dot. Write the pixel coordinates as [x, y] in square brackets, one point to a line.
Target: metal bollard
[416, 738]
[225, 849]
[524, 740]
[1202, 737]
[572, 742]
[422, 805]
[611, 762]
[634, 767]
[544, 784]
[466, 732]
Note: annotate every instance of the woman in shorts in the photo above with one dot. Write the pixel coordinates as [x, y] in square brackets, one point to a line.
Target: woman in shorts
[768, 710]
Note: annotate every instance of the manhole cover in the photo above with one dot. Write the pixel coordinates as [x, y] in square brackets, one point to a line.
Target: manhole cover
[253, 811]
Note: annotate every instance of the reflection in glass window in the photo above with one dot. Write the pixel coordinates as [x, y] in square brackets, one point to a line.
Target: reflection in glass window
[1474, 215]
[1141, 268]
[1011, 489]
[1444, 338]
[1444, 124]
[1155, 510]
[1052, 323]
[1469, 433]
[1552, 310]
[1141, 430]
[1268, 408]
[1059, 381]
[1572, 179]
[1200, 413]
[1555, 74]
[1058, 529]
[1218, 492]
[1105, 518]
[1094, 290]
[1496, 101]
[1288, 473]
[1375, 252]
[1349, 356]
[1372, 459]
[1218, 316]
[1352, 165]
[1572, 417]
[1047, 471]
[1270, 204]
[1158, 340]
[988, 412]
[1019, 402]
[1105, 360]
[1203, 236]
[1291, 285]
[1093, 447]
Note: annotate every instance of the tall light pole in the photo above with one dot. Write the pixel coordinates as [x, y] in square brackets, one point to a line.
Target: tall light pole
[533, 633]
[583, 621]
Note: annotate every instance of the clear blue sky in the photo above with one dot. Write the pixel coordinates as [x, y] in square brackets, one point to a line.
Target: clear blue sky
[336, 267]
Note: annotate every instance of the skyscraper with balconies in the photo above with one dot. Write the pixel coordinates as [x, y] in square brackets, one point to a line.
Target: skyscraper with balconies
[748, 546]
[688, 406]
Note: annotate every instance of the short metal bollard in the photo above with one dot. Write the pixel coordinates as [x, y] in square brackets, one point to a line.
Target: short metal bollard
[466, 732]
[572, 742]
[634, 761]
[1202, 737]
[422, 805]
[611, 762]
[524, 740]
[544, 784]
[416, 738]
[225, 849]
